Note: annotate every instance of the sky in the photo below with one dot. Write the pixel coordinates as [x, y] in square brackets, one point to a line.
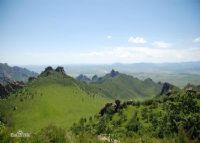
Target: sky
[38, 32]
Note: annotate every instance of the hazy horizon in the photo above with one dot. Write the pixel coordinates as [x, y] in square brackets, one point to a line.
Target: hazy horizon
[100, 64]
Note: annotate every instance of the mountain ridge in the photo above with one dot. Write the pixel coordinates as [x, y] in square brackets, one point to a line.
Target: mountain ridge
[15, 73]
[121, 86]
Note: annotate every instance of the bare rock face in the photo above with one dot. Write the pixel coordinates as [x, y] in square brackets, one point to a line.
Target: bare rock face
[114, 73]
[111, 108]
[49, 71]
[4, 80]
[95, 78]
[5, 90]
[83, 78]
[60, 70]
[49, 68]
[31, 79]
[166, 88]
[104, 110]
[189, 88]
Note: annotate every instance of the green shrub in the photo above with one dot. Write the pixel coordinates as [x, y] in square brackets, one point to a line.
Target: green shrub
[4, 134]
[51, 134]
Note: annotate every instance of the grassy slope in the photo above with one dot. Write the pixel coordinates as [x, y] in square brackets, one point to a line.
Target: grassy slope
[51, 99]
[128, 87]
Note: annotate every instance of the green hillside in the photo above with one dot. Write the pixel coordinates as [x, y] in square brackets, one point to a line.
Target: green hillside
[122, 86]
[170, 118]
[52, 98]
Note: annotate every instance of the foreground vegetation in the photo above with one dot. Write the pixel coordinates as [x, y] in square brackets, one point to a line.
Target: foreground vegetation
[173, 118]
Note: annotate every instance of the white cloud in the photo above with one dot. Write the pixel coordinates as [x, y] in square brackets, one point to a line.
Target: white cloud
[161, 44]
[196, 40]
[141, 54]
[137, 40]
[105, 55]
[109, 37]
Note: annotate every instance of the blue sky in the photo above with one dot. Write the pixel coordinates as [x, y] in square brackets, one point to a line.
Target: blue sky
[99, 31]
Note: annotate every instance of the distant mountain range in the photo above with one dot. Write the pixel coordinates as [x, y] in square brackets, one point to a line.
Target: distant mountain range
[178, 74]
[8, 73]
[121, 86]
[101, 69]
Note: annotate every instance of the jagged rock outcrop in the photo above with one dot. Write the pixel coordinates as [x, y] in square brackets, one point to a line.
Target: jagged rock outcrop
[60, 70]
[104, 110]
[83, 78]
[166, 89]
[94, 78]
[31, 79]
[49, 70]
[189, 88]
[114, 73]
[5, 90]
[4, 80]
[111, 108]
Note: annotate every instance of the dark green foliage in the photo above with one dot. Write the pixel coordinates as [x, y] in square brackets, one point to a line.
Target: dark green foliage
[51, 134]
[4, 134]
[176, 116]
[186, 113]
[101, 125]
[133, 125]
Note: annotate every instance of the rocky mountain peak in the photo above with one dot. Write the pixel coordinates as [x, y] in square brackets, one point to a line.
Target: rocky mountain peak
[49, 70]
[84, 78]
[114, 73]
[60, 70]
[166, 88]
[95, 78]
